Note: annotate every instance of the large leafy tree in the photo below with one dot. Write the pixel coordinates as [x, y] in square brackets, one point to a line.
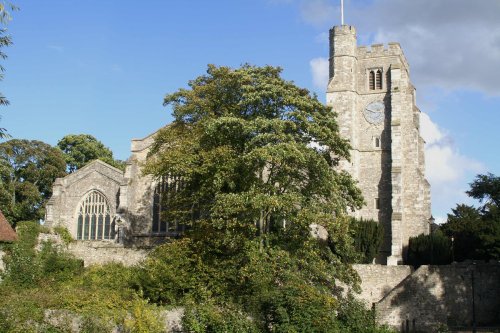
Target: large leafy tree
[476, 231]
[5, 40]
[27, 171]
[80, 149]
[251, 162]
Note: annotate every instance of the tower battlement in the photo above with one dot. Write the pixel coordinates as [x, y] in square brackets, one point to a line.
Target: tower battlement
[380, 50]
[343, 29]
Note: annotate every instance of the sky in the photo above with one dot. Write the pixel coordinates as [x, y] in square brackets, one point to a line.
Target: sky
[103, 67]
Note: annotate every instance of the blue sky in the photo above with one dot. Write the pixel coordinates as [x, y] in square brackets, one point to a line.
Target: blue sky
[103, 67]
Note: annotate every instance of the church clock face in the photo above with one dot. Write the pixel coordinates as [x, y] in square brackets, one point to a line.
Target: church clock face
[374, 112]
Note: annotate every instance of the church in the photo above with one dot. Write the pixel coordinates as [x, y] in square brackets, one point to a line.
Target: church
[371, 94]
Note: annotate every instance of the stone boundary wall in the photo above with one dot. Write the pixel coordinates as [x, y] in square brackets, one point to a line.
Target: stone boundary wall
[442, 295]
[378, 280]
[98, 252]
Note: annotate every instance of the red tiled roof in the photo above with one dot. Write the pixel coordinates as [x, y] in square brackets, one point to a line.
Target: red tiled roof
[7, 234]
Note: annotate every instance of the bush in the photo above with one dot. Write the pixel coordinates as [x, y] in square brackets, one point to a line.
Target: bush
[430, 249]
[368, 236]
[64, 234]
[210, 318]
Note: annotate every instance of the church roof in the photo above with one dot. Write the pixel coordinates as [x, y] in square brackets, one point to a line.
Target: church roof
[7, 234]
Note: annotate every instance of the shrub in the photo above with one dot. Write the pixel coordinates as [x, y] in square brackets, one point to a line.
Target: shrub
[368, 236]
[432, 249]
[64, 234]
[210, 318]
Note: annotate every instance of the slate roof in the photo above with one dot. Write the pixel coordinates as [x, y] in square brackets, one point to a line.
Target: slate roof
[7, 234]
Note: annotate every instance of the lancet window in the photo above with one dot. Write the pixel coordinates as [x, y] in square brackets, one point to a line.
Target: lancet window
[378, 79]
[94, 218]
[371, 80]
[164, 223]
[375, 79]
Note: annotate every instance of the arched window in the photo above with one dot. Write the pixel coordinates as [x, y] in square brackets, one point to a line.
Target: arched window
[377, 142]
[166, 188]
[94, 218]
[371, 80]
[379, 79]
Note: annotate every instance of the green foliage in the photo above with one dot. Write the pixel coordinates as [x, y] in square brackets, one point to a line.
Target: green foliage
[26, 267]
[5, 40]
[432, 249]
[211, 318]
[27, 172]
[368, 236]
[253, 157]
[476, 231]
[64, 234]
[80, 149]
[144, 318]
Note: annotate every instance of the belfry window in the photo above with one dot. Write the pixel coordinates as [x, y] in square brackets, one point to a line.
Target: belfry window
[371, 80]
[375, 79]
[94, 218]
[378, 79]
[165, 189]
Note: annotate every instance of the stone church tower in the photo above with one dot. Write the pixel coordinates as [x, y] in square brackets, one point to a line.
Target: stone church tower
[371, 92]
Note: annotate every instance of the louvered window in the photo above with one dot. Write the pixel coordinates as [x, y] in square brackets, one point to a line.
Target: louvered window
[371, 80]
[379, 79]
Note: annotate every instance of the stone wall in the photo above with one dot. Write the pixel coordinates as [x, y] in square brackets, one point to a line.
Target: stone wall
[378, 280]
[436, 295]
[96, 252]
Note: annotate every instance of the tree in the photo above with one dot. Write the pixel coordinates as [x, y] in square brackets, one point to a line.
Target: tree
[368, 236]
[476, 231]
[250, 161]
[27, 171]
[80, 149]
[5, 40]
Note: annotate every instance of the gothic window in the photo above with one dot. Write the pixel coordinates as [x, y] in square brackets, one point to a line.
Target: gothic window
[94, 218]
[379, 79]
[376, 142]
[371, 80]
[164, 192]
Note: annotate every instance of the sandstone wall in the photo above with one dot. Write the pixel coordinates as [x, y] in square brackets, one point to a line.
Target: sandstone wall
[435, 295]
[378, 280]
[96, 252]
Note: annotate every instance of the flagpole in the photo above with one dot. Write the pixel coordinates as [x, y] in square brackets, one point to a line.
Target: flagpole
[342, 12]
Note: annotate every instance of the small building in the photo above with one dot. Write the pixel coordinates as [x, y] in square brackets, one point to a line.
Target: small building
[7, 233]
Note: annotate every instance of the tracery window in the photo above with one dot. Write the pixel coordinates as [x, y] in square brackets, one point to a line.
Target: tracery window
[165, 189]
[94, 218]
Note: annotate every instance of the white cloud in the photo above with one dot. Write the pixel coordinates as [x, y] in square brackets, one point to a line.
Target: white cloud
[319, 71]
[446, 168]
[452, 44]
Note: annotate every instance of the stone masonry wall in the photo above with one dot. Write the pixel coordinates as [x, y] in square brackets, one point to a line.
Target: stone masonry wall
[378, 280]
[98, 252]
[435, 295]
